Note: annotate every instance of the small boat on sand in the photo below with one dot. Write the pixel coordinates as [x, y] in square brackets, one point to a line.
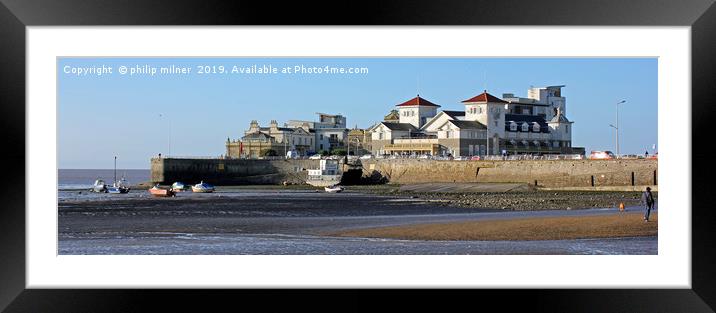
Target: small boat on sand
[118, 186]
[99, 186]
[333, 189]
[202, 187]
[178, 187]
[161, 192]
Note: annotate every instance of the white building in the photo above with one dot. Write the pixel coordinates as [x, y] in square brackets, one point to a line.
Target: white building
[329, 131]
[488, 125]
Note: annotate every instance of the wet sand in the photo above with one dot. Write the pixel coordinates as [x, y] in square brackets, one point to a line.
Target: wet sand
[293, 221]
[521, 229]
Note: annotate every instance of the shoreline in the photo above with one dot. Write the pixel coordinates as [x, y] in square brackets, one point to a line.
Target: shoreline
[491, 196]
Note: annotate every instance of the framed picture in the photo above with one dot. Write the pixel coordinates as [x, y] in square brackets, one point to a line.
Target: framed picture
[436, 96]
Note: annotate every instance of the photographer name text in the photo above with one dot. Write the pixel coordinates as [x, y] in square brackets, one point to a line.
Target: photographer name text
[177, 70]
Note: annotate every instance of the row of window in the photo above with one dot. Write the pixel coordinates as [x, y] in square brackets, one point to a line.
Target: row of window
[524, 127]
[475, 110]
[467, 134]
[302, 141]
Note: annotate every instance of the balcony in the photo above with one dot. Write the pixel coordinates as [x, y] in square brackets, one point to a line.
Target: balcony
[432, 148]
[416, 141]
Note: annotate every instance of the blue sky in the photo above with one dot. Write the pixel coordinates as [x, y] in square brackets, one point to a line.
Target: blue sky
[135, 117]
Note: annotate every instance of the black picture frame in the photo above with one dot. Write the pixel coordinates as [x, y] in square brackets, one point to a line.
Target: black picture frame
[16, 15]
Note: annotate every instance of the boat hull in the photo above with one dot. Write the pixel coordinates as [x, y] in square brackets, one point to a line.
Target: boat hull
[333, 190]
[118, 190]
[99, 189]
[178, 187]
[161, 192]
[202, 190]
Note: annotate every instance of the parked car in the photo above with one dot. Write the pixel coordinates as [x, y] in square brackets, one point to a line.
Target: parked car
[601, 155]
[315, 157]
[366, 157]
[475, 158]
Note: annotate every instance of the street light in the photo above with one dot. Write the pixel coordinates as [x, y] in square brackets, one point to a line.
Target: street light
[616, 128]
[169, 135]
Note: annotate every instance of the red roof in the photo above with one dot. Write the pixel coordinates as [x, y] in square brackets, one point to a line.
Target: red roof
[418, 101]
[483, 98]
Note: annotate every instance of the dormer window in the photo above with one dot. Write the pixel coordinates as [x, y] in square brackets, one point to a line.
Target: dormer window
[535, 128]
[513, 126]
[525, 127]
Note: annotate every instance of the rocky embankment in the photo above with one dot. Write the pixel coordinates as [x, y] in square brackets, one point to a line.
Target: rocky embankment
[521, 200]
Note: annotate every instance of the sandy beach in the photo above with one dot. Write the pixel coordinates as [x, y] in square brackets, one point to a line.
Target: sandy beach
[541, 228]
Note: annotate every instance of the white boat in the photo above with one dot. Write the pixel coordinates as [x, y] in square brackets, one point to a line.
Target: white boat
[178, 187]
[333, 189]
[202, 187]
[99, 186]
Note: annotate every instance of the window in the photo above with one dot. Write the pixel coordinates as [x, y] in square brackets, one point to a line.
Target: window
[513, 126]
[525, 127]
[380, 136]
[566, 129]
[535, 128]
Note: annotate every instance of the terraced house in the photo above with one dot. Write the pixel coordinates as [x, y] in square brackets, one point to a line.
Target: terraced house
[301, 137]
[489, 125]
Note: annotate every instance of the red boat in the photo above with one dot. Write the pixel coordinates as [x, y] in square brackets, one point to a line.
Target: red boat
[161, 192]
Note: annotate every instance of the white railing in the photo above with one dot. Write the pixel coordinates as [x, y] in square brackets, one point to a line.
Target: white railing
[324, 177]
[488, 157]
[416, 140]
[190, 157]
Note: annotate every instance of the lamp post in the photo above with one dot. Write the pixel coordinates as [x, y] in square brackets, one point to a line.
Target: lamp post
[169, 135]
[616, 128]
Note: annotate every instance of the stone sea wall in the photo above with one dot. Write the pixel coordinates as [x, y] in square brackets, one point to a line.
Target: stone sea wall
[542, 173]
[547, 173]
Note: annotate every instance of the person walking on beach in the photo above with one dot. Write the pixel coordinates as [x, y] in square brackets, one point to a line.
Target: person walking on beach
[647, 199]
